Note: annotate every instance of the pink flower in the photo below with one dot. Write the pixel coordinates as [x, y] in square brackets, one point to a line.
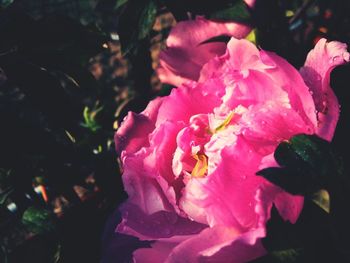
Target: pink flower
[190, 159]
[184, 56]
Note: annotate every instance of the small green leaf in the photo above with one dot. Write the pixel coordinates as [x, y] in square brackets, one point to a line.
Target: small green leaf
[252, 36]
[38, 220]
[322, 199]
[4, 195]
[288, 255]
[238, 12]
[147, 19]
[70, 136]
[90, 118]
[57, 254]
[120, 3]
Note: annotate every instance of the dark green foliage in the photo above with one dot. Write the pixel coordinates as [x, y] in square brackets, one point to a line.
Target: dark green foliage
[134, 22]
[38, 220]
[238, 12]
[307, 164]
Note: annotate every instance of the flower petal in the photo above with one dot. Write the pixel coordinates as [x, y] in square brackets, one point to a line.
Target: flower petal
[186, 101]
[289, 79]
[184, 56]
[316, 73]
[160, 224]
[289, 206]
[130, 137]
[190, 250]
[227, 193]
[220, 244]
[264, 126]
[158, 252]
[142, 186]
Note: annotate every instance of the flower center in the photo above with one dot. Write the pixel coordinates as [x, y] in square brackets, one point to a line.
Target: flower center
[201, 167]
[226, 122]
[223, 124]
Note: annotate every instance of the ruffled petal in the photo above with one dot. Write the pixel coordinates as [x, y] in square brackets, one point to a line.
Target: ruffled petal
[289, 79]
[266, 125]
[159, 250]
[132, 134]
[162, 148]
[190, 250]
[185, 55]
[160, 224]
[245, 247]
[186, 101]
[225, 244]
[256, 88]
[227, 193]
[316, 73]
[141, 184]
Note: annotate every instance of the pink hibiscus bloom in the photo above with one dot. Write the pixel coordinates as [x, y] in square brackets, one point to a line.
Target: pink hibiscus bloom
[190, 159]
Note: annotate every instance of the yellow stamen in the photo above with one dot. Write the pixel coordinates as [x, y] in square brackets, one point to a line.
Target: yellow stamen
[201, 167]
[226, 122]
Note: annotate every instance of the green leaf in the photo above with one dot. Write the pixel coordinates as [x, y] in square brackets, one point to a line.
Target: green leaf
[5, 3]
[4, 195]
[322, 199]
[38, 220]
[252, 36]
[90, 118]
[147, 19]
[120, 3]
[82, 10]
[288, 255]
[238, 12]
[135, 22]
[57, 254]
[294, 180]
[307, 164]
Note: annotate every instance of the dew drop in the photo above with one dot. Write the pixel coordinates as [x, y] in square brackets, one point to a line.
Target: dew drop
[334, 59]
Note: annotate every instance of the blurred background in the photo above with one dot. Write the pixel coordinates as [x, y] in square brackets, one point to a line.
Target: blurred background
[70, 70]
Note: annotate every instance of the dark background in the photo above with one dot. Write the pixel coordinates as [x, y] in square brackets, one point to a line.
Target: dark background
[70, 71]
